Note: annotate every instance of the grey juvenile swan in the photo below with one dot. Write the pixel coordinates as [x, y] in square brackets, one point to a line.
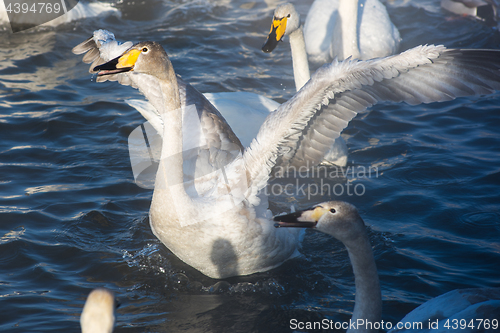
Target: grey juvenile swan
[208, 205]
[342, 221]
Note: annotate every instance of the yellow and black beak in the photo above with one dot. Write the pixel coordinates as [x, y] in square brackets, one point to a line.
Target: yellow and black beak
[307, 218]
[121, 64]
[275, 35]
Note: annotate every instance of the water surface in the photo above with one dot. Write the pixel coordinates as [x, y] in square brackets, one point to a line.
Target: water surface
[72, 218]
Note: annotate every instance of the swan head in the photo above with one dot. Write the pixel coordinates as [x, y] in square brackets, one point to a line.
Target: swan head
[98, 315]
[336, 218]
[145, 57]
[285, 21]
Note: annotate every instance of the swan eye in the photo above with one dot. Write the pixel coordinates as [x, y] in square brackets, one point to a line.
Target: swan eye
[333, 211]
[288, 16]
[145, 50]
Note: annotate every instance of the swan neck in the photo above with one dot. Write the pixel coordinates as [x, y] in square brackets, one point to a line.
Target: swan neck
[170, 175]
[368, 299]
[348, 16]
[299, 58]
[172, 121]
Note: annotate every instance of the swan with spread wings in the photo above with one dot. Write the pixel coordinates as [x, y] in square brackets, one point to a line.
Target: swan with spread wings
[208, 205]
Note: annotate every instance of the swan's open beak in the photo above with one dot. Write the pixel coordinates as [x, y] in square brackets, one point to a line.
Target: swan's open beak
[307, 218]
[275, 35]
[123, 63]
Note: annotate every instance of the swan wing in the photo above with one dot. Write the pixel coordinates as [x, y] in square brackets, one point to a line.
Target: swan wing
[423, 74]
[99, 49]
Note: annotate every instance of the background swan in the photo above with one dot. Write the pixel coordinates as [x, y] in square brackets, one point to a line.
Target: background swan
[339, 26]
[98, 315]
[286, 21]
[483, 10]
[342, 221]
[195, 211]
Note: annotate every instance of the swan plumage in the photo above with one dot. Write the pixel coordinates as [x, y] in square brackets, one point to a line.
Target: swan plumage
[326, 25]
[342, 221]
[98, 314]
[208, 206]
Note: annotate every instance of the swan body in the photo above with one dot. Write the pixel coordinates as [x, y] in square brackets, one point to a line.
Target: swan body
[334, 28]
[342, 221]
[98, 315]
[208, 206]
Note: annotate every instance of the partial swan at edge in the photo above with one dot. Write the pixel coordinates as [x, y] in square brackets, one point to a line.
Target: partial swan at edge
[98, 315]
[482, 10]
[194, 205]
[342, 221]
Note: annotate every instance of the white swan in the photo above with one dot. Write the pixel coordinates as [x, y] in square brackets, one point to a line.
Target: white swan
[208, 206]
[483, 10]
[286, 21]
[342, 221]
[361, 29]
[98, 315]
[336, 29]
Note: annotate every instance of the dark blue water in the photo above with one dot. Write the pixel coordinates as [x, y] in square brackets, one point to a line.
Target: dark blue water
[72, 218]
